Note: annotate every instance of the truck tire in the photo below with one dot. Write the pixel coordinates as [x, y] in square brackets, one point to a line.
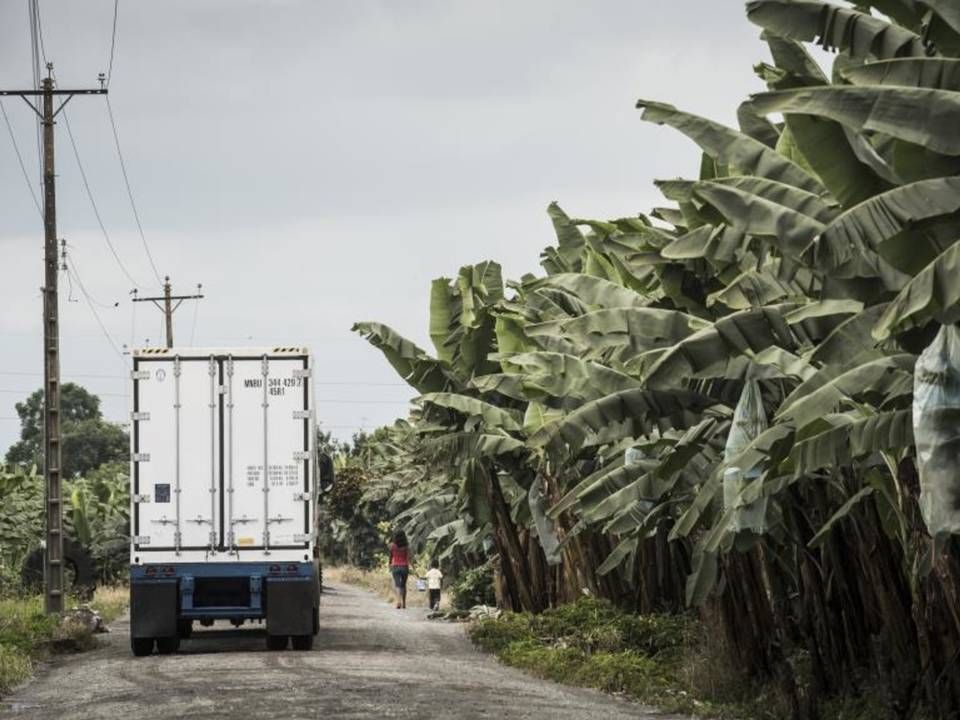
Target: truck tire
[316, 620]
[141, 647]
[78, 563]
[184, 628]
[302, 642]
[277, 642]
[168, 645]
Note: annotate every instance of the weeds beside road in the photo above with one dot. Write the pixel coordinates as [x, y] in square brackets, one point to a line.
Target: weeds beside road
[673, 662]
[28, 636]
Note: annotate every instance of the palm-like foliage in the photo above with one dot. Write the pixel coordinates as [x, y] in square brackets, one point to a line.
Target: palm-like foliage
[807, 265]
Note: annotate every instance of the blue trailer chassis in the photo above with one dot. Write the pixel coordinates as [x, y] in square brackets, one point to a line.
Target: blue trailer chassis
[165, 599]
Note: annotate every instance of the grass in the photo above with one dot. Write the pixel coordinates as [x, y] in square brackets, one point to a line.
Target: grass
[675, 663]
[379, 582]
[591, 644]
[28, 636]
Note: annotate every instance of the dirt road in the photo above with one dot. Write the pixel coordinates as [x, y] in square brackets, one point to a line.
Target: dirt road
[369, 661]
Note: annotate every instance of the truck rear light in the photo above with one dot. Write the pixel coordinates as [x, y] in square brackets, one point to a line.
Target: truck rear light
[291, 569]
[151, 571]
[274, 569]
[169, 570]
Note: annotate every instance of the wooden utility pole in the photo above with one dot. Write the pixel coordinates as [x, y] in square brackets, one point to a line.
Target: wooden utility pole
[168, 308]
[53, 567]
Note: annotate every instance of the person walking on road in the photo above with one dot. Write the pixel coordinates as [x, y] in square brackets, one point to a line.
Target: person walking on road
[434, 580]
[400, 567]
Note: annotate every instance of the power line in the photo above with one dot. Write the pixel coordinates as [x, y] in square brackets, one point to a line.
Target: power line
[122, 377]
[23, 167]
[363, 402]
[31, 392]
[34, 11]
[126, 182]
[93, 203]
[193, 330]
[74, 375]
[113, 40]
[96, 315]
[101, 305]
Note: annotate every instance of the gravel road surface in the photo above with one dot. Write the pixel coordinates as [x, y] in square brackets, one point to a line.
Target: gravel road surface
[369, 661]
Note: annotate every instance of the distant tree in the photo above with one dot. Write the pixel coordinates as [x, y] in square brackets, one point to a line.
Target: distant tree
[89, 441]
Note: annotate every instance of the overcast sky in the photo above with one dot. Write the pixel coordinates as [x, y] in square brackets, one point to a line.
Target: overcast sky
[314, 163]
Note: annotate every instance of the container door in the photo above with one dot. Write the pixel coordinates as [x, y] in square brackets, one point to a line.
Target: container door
[267, 454]
[177, 458]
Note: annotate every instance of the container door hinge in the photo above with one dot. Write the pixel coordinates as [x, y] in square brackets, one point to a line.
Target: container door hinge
[139, 416]
[141, 457]
[139, 374]
[140, 498]
[141, 540]
[302, 373]
[302, 414]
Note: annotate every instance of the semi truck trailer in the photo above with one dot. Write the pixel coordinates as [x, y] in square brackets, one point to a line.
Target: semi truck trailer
[225, 478]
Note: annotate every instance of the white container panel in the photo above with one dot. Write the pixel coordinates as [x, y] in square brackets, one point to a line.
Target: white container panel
[179, 483]
[214, 449]
[271, 395]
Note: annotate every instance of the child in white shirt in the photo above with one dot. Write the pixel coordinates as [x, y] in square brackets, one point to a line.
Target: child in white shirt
[434, 578]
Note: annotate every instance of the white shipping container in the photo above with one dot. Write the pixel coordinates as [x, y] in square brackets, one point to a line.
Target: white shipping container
[223, 463]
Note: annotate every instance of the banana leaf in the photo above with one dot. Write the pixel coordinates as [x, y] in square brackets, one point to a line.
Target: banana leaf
[493, 417]
[628, 413]
[730, 147]
[712, 348]
[929, 72]
[594, 292]
[921, 116]
[418, 369]
[835, 28]
[934, 294]
[790, 231]
[845, 509]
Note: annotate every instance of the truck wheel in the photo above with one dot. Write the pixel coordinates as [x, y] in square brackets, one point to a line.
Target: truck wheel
[302, 642]
[277, 642]
[141, 647]
[168, 645]
[185, 628]
[80, 570]
[316, 620]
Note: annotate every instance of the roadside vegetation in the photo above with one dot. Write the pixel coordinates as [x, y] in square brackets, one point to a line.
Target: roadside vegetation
[28, 636]
[96, 501]
[664, 660]
[707, 408]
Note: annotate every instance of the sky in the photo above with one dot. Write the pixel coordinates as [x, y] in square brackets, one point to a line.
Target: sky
[315, 163]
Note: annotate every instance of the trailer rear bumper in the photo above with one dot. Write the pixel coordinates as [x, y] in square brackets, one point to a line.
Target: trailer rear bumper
[285, 594]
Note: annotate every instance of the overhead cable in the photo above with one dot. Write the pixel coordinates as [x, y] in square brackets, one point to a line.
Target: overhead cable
[126, 182]
[93, 202]
[23, 167]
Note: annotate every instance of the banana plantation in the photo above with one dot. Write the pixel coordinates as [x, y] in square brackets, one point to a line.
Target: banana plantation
[711, 407]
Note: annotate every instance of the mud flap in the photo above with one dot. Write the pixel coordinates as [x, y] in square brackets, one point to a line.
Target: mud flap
[153, 609]
[290, 607]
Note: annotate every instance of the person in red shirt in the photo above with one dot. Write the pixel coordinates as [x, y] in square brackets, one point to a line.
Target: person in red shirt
[400, 566]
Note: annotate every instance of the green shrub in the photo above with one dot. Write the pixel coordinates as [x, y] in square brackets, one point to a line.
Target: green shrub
[577, 618]
[495, 635]
[15, 667]
[23, 624]
[473, 587]
[652, 634]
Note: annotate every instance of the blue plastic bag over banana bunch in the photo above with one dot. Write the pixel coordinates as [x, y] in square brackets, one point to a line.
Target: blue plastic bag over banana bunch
[749, 420]
[936, 430]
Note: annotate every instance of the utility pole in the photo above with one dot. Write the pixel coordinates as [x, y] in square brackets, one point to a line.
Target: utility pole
[53, 567]
[168, 308]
